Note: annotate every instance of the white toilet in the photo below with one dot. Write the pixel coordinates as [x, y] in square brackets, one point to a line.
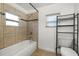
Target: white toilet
[67, 52]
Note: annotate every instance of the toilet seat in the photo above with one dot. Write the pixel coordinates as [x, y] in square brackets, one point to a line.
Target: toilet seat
[67, 52]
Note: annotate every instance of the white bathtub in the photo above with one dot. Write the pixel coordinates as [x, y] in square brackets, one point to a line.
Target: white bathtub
[24, 48]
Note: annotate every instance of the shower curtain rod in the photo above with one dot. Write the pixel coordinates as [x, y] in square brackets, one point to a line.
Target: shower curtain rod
[33, 6]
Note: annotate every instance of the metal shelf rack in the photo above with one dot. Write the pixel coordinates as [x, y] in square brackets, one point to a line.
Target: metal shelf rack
[65, 18]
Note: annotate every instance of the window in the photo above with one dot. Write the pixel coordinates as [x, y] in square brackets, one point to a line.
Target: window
[51, 20]
[12, 20]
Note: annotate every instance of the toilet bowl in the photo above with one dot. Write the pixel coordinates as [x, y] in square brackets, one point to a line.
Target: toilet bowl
[67, 52]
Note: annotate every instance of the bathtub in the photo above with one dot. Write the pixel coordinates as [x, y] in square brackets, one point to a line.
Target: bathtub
[24, 48]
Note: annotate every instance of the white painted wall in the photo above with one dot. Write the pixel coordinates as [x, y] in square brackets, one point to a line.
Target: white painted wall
[76, 7]
[47, 36]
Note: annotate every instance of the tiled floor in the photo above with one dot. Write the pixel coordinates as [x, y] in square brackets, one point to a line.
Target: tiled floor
[40, 52]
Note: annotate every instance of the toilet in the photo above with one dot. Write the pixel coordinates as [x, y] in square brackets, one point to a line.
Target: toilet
[67, 52]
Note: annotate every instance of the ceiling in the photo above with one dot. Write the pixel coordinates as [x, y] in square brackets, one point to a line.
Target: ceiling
[26, 6]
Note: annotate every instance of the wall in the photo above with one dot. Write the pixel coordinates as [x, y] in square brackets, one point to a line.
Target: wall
[1, 26]
[32, 30]
[47, 35]
[32, 16]
[15, 34]
[11, 34]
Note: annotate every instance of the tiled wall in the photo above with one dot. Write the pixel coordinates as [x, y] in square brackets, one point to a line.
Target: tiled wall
[32, 16]
[1, 26]
[10, 35]
[32, 26]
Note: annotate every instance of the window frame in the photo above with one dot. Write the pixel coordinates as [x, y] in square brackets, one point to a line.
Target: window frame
[12, 20]
[56, 14]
